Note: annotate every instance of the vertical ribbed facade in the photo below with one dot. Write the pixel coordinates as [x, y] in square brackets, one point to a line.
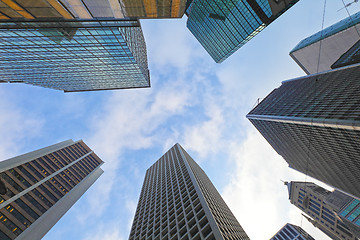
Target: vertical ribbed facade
[314, 124]
[223, 26]
[178, 201]
[292, 232]
[42, 186]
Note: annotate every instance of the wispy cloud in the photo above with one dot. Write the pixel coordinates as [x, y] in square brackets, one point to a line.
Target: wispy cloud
[17, 126]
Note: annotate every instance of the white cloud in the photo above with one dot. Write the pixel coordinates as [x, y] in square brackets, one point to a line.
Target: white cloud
[255, 194]
[16, 127]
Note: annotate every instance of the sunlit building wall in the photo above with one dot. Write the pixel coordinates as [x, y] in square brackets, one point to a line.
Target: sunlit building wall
[178, 201]
[313, 122]
[42, 186]
[223, 26]
[335, 41]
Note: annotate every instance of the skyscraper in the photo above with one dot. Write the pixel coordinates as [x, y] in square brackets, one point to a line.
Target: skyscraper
[178, 201]
[42, 186]
[89, 9]
[74, 56]
[313, 122]
[352, 56]
[223, 26]
[71, 45]
[335, 41]
[323, 209]
[292, 232]
[154, 9]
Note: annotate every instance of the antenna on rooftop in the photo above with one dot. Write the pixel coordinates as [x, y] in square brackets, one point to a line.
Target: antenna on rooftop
[348, 5]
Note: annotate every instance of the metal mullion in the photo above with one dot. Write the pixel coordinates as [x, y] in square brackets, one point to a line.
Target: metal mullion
[72, 175]
[23, 212]
[6, 231]
[38, 200]
[12, 218]
[46, 196]
[34, 208]
[61, 180]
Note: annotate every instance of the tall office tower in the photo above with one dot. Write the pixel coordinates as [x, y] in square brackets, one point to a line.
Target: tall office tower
[223, 26]
[292, 232]
[313, 122]
[324, 208]
[74, 56]
[154, 9]
[88, 9]
[42, 186]
[178, 201]
[335, 41]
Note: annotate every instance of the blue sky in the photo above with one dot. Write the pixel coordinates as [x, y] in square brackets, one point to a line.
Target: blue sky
[192, 101]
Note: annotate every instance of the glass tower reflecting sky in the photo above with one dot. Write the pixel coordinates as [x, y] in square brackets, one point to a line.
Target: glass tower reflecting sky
[74, 55]
[223, 26]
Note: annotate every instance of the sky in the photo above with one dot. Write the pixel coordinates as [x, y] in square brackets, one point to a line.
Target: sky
[192, 101]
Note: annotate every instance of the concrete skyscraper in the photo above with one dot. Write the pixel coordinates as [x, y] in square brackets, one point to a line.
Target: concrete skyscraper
[335, 41]
[223, 26]
[334, 213]
[41, 186]
[313, 122]
[178, 201]
[291, 232]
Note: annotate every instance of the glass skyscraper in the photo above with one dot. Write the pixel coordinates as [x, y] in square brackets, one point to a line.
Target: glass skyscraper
[223, 26]
[71, 45]
[178, 201]
[74, 56]
[292, 232]
[313, 122]
[41, 186]
[324, 208]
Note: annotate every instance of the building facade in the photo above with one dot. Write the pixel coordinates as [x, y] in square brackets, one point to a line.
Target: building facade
[223, 26]
[74, 55]
[292, 232]
[178, 201]
[89, 9]
[335, 41]
[324, 208]
[313, 122]
[352, 56]
[41, 186]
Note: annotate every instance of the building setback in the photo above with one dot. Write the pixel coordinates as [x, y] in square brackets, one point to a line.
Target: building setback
[313, 122]
[42, 186]
[178, 201]
[223, 26]
[335, 41]
[292, 232]
[324, 208]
